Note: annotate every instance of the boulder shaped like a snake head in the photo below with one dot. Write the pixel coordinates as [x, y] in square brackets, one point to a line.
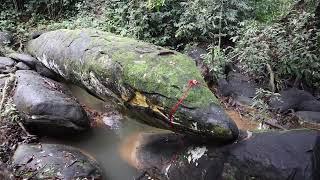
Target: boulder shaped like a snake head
[144, 78]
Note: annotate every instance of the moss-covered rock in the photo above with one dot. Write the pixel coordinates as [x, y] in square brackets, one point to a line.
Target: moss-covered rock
[147, 79]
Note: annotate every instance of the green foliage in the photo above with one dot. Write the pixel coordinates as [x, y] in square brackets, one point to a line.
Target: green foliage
[289, 47]
[155, 4]
[134, 18]
[260, 104]
[269, 10]
[47, 8]
[200, 19]
[175, 21]
[22, 16]
[216, 61]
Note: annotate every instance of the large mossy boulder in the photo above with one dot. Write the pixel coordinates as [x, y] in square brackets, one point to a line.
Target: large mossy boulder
[144, 78]
[54, 161]
[271, 155]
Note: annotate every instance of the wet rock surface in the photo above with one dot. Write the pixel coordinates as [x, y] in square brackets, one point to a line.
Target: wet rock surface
[305, 106]
[22, 66]
[44, 71]
[53, 161]
[4, 62]
[47, 106]
[309, 116]
[238, 86]
[291, 99]
[269, 155]
[25, 58]
[145, 79]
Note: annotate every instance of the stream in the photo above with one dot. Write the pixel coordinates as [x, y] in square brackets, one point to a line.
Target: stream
[102, 142]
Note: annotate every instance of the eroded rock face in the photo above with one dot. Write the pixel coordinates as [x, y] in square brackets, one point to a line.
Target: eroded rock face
[53, 161]
[146, 79]
[268, 156]
[46, 105]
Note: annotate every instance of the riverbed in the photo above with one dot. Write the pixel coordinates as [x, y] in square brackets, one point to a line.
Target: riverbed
[103, 142]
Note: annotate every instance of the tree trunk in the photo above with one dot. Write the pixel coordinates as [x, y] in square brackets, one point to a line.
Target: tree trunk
[317, 15]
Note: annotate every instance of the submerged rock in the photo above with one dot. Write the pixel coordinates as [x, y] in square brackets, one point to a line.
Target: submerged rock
[46, 105]
[146, 79]
[264, 156]
[53, 161]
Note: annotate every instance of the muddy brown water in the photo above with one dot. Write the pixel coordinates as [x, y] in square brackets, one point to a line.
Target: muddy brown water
[103, 143]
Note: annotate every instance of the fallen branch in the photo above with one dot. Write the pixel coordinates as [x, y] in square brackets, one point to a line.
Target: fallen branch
[274, 125]
[271, 74]
[24, 129]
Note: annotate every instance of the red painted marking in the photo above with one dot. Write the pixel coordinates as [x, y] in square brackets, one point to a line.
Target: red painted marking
[191, 84]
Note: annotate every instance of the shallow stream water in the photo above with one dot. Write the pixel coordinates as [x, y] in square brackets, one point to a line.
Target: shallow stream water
[102, 142]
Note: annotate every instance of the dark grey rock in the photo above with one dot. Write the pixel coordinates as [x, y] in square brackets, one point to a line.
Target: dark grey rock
[25, 58]
[290, 99]
[54, 161]
[22, 66]
[270, 155]
[47, 105]
[224, 88]
[5, 38]
[4, 62]
[311, 105]
[44, 71]
[243, 100]
[308, 116]
[316, 158]
[240, 87]
[196, 53]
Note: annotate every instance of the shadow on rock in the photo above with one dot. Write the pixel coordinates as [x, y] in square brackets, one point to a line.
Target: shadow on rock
[268, 156]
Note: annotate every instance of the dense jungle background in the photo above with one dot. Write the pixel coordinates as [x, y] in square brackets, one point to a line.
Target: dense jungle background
[257, 70]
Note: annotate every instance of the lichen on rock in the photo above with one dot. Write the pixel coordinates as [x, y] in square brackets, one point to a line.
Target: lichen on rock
[145, 79]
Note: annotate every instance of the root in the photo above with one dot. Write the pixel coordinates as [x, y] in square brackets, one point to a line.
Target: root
[271, 81]
[8, 86]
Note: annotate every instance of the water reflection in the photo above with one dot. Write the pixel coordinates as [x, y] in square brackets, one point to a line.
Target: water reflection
[103, 142]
